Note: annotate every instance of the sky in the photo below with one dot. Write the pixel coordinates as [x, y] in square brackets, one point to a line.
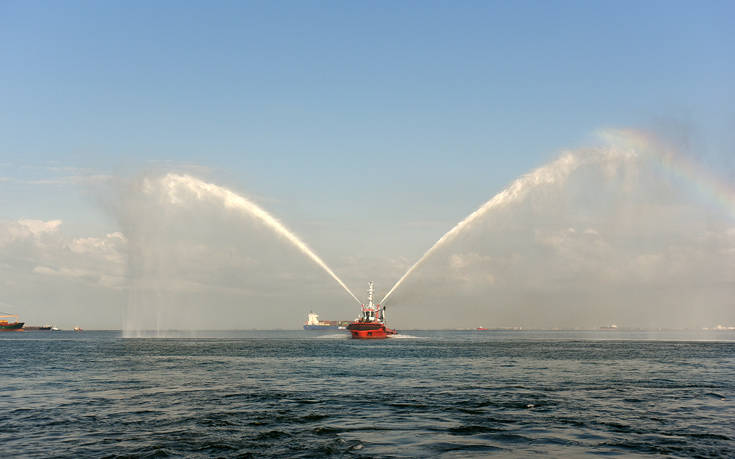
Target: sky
[369, 130]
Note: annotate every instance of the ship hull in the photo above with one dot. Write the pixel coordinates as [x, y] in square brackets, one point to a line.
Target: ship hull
[17, 326]
[321, 327]
[369, 330]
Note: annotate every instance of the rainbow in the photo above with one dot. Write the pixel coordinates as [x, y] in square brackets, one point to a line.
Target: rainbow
[680, 166]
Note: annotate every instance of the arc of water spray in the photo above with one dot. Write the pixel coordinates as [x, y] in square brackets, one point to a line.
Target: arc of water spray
[233, 200]
[551, 173]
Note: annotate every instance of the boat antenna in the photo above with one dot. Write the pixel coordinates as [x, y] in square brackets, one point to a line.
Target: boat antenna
[371, 290]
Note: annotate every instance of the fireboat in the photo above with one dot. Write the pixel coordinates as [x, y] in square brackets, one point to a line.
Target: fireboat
[370, 324]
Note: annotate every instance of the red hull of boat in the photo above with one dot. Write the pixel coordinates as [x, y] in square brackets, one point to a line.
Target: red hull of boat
[368, 330]
[369, 334]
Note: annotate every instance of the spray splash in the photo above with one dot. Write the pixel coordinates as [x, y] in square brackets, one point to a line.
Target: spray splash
[174, 183]
[555, 172]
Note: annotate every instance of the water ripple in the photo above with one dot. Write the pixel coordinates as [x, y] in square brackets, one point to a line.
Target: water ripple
[447, 394]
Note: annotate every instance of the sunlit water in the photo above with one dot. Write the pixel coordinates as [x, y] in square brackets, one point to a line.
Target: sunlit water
[317, 394]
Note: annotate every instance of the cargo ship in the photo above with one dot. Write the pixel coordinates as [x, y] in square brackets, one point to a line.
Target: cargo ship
[313, 323]
[5, 325]
[370, 324]
[38, 327]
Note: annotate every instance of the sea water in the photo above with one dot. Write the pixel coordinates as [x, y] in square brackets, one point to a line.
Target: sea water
[320, 394]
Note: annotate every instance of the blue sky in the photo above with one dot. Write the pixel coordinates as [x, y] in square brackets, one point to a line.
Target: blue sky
[360, 93]
[345, 113]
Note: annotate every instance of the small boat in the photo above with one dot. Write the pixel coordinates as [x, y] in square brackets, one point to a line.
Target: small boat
[78, 329]
[482, 329]
[371, 322]
[6, 325]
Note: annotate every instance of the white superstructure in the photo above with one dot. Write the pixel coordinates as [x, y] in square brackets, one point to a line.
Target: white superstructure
[372, 312]
[312, 319]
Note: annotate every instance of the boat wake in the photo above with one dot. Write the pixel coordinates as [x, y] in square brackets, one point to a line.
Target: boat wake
[335, 336]
[400, 336]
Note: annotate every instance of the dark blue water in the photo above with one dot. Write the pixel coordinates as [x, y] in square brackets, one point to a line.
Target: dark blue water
[310, 394]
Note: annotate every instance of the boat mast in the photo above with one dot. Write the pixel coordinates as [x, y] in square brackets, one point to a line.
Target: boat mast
[375, 308]
[370, 295]
[369, 310]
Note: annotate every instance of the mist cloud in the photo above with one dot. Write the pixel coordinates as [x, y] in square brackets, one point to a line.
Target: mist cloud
[619, 242]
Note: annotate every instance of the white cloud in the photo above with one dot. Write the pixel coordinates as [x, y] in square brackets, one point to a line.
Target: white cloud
[92, 179]
[44, 270]
[53, 175]
[23, 229]
[111, 247]
[38, 227]
[96, 260]
[101, 278]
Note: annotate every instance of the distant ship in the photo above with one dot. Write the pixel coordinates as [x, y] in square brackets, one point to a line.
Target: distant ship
[313, 323]
[38, 327]
[5, 325]
[609, 327]
[370, 324]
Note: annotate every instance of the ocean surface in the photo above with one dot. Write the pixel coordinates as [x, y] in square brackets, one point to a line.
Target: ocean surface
[319, 394]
